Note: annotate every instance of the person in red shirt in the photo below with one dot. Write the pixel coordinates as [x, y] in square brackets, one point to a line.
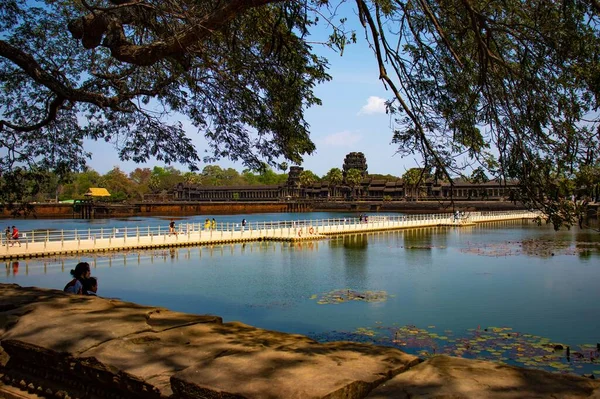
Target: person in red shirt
[15, 236]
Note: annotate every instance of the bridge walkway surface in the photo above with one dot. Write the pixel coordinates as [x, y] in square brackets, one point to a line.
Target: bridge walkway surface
[38, 243]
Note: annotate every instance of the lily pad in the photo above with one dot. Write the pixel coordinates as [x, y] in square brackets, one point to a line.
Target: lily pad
[346, 295]
[534, 247]
[498, 344]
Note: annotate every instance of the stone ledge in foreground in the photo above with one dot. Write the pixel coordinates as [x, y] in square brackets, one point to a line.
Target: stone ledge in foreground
[452, 377]
[57, 344]
[95, 347]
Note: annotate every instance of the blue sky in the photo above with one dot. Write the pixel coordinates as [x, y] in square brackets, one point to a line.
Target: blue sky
[351, 119]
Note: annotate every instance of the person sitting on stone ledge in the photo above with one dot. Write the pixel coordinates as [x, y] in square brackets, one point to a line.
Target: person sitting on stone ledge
[90, 286]
[80, 273]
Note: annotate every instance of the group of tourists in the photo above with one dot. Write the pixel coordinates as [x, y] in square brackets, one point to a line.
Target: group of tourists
[83, 283]
[458, 216]
[210, 224]
[13, 236]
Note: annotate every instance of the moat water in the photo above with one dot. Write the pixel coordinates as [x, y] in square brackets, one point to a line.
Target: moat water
[508, 291]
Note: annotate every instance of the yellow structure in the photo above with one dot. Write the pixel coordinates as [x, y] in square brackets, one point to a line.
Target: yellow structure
[97, 192]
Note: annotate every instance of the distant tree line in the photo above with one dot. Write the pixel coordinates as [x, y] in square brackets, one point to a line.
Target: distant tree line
[134, 185]
[160, 180]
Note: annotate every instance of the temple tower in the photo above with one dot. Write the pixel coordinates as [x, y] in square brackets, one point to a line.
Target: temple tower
[294, 176]
[355, 160]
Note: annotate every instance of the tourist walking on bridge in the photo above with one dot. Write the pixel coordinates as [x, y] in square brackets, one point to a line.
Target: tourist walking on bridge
[172, 228]
[15, 237]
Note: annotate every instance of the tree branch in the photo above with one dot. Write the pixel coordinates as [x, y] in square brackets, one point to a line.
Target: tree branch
[109, 24]
[375, 32]
[440, 31]
[32, 68]
[53, 108]
[596, 5]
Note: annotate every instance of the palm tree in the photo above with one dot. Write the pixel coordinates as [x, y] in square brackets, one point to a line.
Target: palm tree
[307, 178]
[413, 179]
[284, 166]
[353, 178]
[335, 177]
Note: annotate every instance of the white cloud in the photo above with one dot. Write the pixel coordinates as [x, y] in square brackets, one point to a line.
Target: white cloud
[374, 105]
[341, 139]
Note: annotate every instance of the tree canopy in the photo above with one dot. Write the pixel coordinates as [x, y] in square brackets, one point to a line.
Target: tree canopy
[478, 176]
[354, 177]
[126, 71]
[511, 86]
[307, 178]
[334, 176]
[157, 181]
[415, 176]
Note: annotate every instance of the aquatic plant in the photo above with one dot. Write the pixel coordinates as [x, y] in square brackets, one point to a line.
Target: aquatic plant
[533, 247]
[344, 295]
[499, 344]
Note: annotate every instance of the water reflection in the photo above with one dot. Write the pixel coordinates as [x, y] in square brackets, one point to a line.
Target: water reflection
[587, 244]
[417, 238]
[417, 244]
[12, 267]
[355, 242]
[356, 260]
[433, 276]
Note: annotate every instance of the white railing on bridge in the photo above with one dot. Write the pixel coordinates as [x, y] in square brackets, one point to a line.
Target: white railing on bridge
[286, 228]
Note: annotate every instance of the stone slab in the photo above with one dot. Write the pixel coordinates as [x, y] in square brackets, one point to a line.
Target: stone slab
[71, 323]
[151, 354]
[156, 356]
[333, 370]
[458, 378]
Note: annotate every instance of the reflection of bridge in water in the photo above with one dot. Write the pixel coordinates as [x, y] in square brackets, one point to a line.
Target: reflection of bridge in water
[37, 243]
